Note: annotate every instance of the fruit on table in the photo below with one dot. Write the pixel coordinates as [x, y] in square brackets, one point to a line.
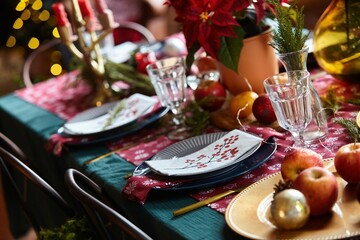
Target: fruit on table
[297, 160]
[347, 162]
[210, 95]
[143, 59]
[289, 209]
[206, 64]
[263, 110]
[242, 104]
[320, 188]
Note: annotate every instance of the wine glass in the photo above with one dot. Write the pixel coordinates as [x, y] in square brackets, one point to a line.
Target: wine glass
[168, 77]
[290, 97]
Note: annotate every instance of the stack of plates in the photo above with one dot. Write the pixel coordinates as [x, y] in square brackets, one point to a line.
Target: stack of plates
[211, 177]
[85, 125]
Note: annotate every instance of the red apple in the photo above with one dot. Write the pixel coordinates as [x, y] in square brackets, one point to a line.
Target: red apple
[263, 110]
[320, 188]
[210, 95]
[347, 162]
[298, 160]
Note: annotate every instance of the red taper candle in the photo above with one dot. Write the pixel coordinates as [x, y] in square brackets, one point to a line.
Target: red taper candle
[60, 14]
[86, 9]
[101, 6]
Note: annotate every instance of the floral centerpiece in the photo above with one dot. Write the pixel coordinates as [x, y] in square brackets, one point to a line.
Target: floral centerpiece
[215, 26]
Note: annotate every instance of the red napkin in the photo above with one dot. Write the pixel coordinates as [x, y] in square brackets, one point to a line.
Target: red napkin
[138, 187]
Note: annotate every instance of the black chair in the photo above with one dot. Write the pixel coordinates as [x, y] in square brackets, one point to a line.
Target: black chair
[39, 57]
[10, 146]
[91, 197]
[9, 165]
[134, 32]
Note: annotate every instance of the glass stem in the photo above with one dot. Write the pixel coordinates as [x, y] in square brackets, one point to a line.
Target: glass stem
[299, 139]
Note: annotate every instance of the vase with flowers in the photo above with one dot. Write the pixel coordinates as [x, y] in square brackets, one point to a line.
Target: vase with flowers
[220, 29]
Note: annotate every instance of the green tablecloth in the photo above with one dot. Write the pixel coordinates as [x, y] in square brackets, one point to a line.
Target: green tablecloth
[30, 127]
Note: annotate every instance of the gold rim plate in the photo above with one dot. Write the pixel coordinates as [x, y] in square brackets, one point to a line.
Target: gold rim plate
[248, 213]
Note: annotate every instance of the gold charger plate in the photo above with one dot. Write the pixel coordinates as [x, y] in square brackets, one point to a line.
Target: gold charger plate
[248, 213]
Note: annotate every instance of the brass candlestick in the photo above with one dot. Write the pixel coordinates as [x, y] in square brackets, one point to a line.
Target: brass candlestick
[84, 22]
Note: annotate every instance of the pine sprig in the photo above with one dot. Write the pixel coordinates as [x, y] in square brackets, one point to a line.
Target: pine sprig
[281, 186]
[114, 112]
[124, 72]
[288, 36]
[351, 127]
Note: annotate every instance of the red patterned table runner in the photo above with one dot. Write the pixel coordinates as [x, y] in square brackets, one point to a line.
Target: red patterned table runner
[64, 96]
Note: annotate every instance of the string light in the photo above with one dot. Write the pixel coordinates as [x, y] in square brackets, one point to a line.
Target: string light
[34, 10]
[37, 5]
[56, 69]
[25, 15]
[18, 23]
[21, 6]
[33, 43]
[44, 15]
[55, 33]
[11, 41]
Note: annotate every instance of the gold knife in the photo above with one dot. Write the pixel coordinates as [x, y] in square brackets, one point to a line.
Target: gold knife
[206, 201]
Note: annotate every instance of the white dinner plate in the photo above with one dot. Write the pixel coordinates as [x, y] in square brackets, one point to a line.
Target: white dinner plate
[197, 146]
[94, 120]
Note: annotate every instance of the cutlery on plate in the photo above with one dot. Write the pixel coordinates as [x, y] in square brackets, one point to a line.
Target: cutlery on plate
[206, 201]
[144, 140]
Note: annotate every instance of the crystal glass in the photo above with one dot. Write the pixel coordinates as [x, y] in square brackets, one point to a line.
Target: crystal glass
[168, 77]
[317, 128]
[290, 97]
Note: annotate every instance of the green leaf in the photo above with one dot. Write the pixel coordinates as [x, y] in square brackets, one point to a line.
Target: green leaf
[191, 55]
[230, 49]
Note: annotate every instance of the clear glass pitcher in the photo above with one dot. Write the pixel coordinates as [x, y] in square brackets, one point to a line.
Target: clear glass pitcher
[318, 126]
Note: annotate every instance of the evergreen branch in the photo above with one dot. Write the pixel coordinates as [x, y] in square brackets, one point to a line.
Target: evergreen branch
[128, 74]
[113, 113]
[288, 36]
[351, 127]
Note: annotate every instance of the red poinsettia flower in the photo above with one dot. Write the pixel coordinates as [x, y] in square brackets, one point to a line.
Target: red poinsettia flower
[204, 22]
[208, 23]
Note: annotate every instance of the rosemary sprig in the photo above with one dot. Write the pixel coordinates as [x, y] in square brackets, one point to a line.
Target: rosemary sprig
[288, 36]
[351, 127]
[114, 112]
